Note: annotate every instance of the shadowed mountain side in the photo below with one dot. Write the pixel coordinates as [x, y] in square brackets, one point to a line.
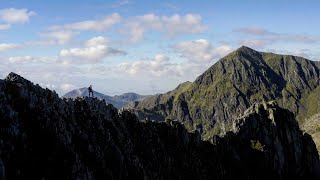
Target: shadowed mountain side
[45, 137]
[233, 84]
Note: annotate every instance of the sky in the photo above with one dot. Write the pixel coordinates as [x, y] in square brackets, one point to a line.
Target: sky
[144, 46]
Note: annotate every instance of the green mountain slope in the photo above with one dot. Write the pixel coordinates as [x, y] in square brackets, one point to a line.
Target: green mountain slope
[231, 85]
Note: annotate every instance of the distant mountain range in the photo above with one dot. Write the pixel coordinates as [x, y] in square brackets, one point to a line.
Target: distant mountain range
[223, 92]
[118, 101]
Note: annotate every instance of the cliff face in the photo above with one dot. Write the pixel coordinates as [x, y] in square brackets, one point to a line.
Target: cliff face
[312, 127]
[45, 137]
[233, 84]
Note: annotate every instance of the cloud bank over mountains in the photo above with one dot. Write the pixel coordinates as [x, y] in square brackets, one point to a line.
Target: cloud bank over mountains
[147, 50]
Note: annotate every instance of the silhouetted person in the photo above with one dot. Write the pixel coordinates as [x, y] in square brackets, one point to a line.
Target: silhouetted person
[90, 91]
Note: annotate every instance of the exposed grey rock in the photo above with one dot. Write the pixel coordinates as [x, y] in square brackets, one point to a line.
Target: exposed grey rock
[312, 127]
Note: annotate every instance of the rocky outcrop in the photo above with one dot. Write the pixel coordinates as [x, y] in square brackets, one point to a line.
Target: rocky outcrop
[45, 137]
[233, 84]
[312, 127]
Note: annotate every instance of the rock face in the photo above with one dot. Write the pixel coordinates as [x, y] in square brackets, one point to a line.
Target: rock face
[117, 101]
[233, 84]
[45, 137]
[312, 127]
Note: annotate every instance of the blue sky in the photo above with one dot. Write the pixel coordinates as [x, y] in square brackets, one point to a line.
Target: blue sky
[145, 47]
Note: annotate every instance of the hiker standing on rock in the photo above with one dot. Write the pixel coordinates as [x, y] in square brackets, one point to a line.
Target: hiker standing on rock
[90, 91]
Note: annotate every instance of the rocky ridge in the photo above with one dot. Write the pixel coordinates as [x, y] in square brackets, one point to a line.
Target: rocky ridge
[45, 137]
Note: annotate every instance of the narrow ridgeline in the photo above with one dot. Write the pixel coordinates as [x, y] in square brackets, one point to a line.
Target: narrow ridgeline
[45, 137]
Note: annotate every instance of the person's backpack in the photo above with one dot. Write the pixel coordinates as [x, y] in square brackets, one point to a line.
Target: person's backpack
[89, 88]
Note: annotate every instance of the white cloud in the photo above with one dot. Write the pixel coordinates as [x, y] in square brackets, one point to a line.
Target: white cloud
[157, 66]
[99, 40]
[176, 24]
[91, 25]
[66, 87]
[13, 15]
[121, 3]
[95, 50]
[48, 85]
[253, 43]
[5, 26]
[59, 37]
[169, 25]
[253, 31]
[305, 53]
[201, 51]
[8, 46]
[30, 59]
[267, 37]
[136, 31]
[22, 59]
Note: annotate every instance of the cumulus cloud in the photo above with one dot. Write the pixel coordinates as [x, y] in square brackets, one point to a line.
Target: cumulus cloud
[169, 25]
[267, 37]
[5, 26]
[91, 25]
[306, 53]
[59, 37]
[95, 50]
[31, 59]
[136, 32]
[201, 51]
[66, 87]
[94, 54]
[8, 46]
[254, 43]
[12, 15]
[190, 23]
[253, 31]
[121, 3]
[159, 67]
[99, 40]
[156, 66]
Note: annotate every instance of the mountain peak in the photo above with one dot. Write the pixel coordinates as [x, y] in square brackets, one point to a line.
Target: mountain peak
[246, 49]
[243, 51]
[14, 77]
[243, 47]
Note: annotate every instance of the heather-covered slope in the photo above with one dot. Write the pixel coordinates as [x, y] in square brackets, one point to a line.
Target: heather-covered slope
[234, 83]
[45, 137]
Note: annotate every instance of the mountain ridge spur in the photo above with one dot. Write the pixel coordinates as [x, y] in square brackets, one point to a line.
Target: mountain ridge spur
[238, 80]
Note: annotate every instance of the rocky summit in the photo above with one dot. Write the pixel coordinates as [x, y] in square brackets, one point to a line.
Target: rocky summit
[230, 86]
[45, 137]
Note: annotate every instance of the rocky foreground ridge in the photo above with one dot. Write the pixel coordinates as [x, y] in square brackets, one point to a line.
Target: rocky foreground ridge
[45, 137]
